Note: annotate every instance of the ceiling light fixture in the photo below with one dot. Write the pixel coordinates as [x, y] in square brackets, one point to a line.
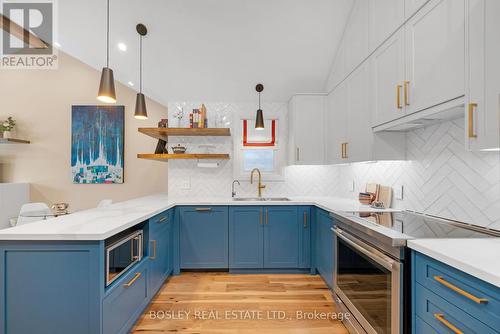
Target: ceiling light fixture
[106, 92]
[140, 102]
[122, 46]
[259, 120]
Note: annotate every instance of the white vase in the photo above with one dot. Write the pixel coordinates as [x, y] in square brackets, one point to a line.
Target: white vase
[7, 134]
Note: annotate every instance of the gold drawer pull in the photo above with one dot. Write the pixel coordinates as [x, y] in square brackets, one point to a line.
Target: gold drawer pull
[132, 281]
[447, 284]
[472, 107]
[398, 97]
[441, 319]
[305, 219]
[203, 209]
[162, 219]
[407, 88]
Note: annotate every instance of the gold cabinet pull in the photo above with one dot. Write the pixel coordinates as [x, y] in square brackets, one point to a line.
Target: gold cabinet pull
[345, 150]
[447, 284]
[267, 217]
[261, 221]
[472, 107]
[203, 209]
[153, 257]
[342, 150]
[398, 97]
[162, 219]
[305, 219]
[132, 281]
[407, 88]
[440, 317]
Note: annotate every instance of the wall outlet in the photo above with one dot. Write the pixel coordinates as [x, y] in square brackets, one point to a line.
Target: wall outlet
[399, 192]
[186, 184]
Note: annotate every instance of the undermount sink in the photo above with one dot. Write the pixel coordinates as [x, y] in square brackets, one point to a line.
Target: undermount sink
[262, 199]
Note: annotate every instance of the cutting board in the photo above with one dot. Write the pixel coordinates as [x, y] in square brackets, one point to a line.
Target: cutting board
[385, 196]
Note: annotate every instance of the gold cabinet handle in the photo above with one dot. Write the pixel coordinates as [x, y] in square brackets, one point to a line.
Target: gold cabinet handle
[260, 218]
[345, 150]
[203, 209]
[472, 107]
[153, 257]
[407, 88]
[162, 219]
[342, 150]
[305, 219]
[132, 281]
[447, 284]
[440, 317]
[267, 217]
[398, 97]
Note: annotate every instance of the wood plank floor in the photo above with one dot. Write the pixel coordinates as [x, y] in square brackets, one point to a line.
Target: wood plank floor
[222, 303]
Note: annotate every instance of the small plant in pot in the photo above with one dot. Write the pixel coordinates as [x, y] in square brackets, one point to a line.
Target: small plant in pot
[6, 127]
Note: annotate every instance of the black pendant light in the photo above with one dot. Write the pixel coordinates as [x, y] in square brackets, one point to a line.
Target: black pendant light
[140, 102]
[106, 92]
[259, 120]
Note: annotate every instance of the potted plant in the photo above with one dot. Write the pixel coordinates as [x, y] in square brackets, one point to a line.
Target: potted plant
[6, 127]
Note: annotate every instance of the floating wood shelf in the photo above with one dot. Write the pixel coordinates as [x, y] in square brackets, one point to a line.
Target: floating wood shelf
[13, 141]
[163, 133]
[164, 157]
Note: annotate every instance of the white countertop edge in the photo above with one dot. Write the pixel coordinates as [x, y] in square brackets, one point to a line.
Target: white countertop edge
[122, 215]
[453, 261]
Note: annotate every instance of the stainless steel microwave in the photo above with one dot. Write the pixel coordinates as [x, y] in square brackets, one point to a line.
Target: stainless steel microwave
[123, 254]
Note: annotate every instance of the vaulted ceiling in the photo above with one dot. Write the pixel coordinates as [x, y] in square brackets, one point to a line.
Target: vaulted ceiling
[210, 50]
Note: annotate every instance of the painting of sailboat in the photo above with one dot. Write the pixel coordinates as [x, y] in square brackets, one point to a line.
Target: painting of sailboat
[97, 140]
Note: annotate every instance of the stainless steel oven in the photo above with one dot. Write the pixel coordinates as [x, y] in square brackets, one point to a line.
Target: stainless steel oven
[368, 285]
[123, 254]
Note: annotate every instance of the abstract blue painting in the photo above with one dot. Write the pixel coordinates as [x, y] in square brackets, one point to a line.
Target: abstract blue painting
[97, 135]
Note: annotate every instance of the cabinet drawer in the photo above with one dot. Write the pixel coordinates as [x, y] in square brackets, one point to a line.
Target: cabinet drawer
[421, 327]
[443, 316]
[448, 283]
[125, 303]
[161, 219]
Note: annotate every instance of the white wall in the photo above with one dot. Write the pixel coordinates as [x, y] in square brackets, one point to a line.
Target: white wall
[12, 197]
[41, 100]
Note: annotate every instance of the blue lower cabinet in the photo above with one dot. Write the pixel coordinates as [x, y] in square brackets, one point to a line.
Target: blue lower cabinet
[324, 246]
[204, 241]
[444, 296]
[246, 237]
[281, 237]
[160, 250]
[305, 227]
[51, 287]
[126, 300]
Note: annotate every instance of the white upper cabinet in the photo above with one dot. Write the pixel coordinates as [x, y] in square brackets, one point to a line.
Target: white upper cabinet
[411, 6]
[388, 79]
[358, 145]
[483, 73]
[386, 16]
[307, 128]
[356, 38]
[335, 127]
[435, 54]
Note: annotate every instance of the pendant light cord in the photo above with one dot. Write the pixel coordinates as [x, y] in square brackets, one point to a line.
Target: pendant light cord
[107, 35]
[259, 100]
[140, 64]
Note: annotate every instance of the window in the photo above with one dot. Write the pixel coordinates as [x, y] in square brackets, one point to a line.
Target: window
[262, 159]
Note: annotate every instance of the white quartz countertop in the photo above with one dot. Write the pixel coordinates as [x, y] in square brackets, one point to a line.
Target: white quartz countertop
[101, 223]
[476, 257]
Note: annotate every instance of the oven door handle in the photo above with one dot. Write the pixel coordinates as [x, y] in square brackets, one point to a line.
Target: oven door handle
[372, 253]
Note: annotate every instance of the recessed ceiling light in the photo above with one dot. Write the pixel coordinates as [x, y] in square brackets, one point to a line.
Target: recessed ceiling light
[122, 46]
[131, 84]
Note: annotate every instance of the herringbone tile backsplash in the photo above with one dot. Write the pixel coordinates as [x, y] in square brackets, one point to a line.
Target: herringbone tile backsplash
[440, 177]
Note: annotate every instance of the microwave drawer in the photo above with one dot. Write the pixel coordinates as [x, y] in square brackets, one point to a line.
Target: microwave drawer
[476, 297]
[126, 300]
